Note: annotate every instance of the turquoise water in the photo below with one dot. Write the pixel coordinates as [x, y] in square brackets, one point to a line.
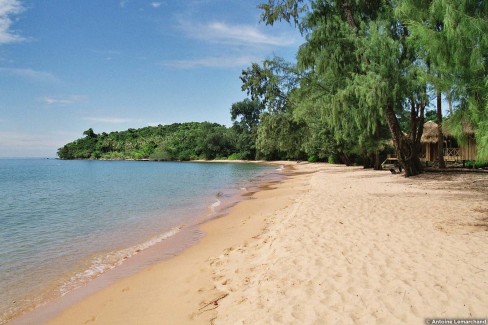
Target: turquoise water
[63, 223]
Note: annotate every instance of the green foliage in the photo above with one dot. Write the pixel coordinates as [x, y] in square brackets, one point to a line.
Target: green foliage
[451, 37]
[346, 70]
[430, 115]
[89, 133]
[312, 159]
[331, 160]
[162, 154]
[477, 164]
[366, 65]
[235, 156]
[245, 115]
[277, 134]
[179, 141]
[288, 10]
[270, 84]
[280, 137]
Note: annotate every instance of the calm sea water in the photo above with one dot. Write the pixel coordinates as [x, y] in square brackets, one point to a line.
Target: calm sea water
[63, 223]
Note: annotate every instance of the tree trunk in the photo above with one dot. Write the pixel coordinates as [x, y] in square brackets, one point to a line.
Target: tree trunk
[440, 143]
[346, 6]
[407, 150]
[449, 101]
[366, 161]
[344, 158]
[377, 162]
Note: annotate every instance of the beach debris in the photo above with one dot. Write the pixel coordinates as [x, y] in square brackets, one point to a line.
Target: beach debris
[214, 302]
[346, 257]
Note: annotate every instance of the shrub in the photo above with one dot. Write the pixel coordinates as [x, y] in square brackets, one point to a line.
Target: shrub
[476, 164]
[235, 156]
[313, 158]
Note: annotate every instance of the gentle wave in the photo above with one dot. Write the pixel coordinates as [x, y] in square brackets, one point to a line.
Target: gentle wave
[102, 264]
[214, 205]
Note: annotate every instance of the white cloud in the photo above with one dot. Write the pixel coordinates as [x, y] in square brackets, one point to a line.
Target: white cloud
[211, 62]
[122, 3]
[156, 4]
[61, 100]
[31, 75]
[9, 8]
[110, 120]
[220, 32]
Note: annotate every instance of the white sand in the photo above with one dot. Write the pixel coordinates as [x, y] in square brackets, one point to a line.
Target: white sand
[363, 247]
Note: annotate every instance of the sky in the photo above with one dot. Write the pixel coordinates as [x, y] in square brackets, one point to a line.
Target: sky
[110, 65]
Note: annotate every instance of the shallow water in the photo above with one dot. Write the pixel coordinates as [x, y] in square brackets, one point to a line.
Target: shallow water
[62, 223]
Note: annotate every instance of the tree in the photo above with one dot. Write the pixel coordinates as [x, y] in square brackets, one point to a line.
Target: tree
[280, 137]
[358, 51]
[246, 115]
[89, 133]
[452, 39]
[271, 83]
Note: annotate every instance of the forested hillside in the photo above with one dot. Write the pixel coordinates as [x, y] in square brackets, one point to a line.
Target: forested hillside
[179, 141]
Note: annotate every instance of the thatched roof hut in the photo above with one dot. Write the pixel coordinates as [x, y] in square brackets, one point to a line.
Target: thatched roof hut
[465, 150]
[430, 134]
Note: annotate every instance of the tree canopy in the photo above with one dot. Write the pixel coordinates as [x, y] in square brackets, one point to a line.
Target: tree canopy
[179, 141]
[370, 64]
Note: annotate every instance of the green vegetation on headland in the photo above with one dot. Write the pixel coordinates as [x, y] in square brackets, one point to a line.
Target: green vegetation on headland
[183, 141]
[367, 77]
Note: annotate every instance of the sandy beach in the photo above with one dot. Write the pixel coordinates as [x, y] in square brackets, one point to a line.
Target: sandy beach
[329, 245]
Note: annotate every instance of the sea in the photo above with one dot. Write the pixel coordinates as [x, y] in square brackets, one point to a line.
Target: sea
[65, 223]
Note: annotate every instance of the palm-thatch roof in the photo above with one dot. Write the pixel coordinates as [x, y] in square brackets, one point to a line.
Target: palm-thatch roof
[430, 134]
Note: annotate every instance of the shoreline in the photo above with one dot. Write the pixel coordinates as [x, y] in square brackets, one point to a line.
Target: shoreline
[187, 236]
[173, 276]
[330, 244]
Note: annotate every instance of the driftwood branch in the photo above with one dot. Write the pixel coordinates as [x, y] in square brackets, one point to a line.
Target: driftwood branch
[214, 302]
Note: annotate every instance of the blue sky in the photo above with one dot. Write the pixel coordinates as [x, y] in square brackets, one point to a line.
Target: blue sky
[69, 65]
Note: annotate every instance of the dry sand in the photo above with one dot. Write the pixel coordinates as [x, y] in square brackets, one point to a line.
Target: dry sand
[330, 245]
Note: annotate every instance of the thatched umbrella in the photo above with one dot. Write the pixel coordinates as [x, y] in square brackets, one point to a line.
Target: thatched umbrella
[430, 134]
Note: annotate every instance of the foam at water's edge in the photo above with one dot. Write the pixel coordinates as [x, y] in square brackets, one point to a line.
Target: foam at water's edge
[214, 205]
[101, 264]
